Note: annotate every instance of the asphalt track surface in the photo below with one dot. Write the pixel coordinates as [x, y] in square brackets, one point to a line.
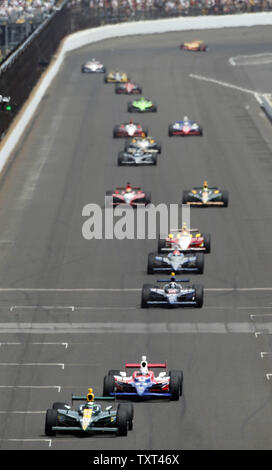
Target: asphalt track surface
[68, 159]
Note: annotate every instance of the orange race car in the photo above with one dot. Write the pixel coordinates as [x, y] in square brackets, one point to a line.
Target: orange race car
[194, 46]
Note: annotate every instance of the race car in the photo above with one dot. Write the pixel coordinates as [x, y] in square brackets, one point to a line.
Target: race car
[205, 196]
[129, 129]
[185, 127]
[89, 418]
[194, 46]
[175, 260]
[116, 77]
[133, 196]
[142, 105]
[144, 143]
[137, 158]
[172, 294]
[186, 240]
[128, 88]
[143, 383]
[93, 66]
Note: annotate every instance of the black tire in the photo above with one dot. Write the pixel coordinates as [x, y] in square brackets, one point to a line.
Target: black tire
[51, 420]
[128, 407]
[225, 198]
[108, 385]
[170, 132]
[145, 130]
[147, 198]
[105, 80]
[174, 387]
[185, 197]
[115, 130]
[109, 192]
[145, 295]
[179, 374]
[120, 159]
[207, 242]
[59, 405]
[154, 108]
[199, 295]
[201, 131]
[161, 245]
[122, 422]
[200, 262]
[155, 159]
[113, 372]
[130, 107]
[150, 263]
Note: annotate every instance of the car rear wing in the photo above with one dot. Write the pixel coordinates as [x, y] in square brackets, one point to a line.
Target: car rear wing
[84, 398]
[177, 280]
[157, 365]
[134, 187]
[187, 230]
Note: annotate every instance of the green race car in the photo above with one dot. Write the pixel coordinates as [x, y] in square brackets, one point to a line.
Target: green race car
[142, 105]
[89, 418]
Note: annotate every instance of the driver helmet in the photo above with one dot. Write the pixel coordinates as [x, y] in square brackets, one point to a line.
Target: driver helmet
[184, 227]
[128, 188]
[185, 119]
[205, 185]
[176, 252]
[143, 135]
[130, 122]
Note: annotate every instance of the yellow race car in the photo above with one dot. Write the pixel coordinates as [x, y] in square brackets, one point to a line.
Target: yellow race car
[116, 77]
[194, 46]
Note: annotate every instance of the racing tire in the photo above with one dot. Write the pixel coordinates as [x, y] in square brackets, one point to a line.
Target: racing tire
[108, 385]
[145, 295]
[225, 198]
[185, 197]
[161, 245]
[115, 130]
[105, 80]
[59, 405]
[154, 108]
[51, 420]
[122, 422]
[145, 130]
[200, 262]
[130, 108]
[155, 159]
[113, 372]
[128, 407]
[179, 374]
[174, 387]
[199, 295]
[120, 159]
[147, 198]
[170, 132]
[159, 148]
[207, 242]
[200, 131]
[150, 263]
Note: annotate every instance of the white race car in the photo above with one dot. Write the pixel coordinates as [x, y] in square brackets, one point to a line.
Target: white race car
[93, 66]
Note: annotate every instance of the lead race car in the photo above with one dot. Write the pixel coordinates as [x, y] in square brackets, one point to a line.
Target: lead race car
[186, 240]
[129, 129]
[195, 45]
[128, 88]
[206, 196]
[172, 294]
[143, 383]
[93, 66]
[175, 260]
[89, 418]
[115, 76]
[137, 158]
[184, 128]
[142, 105]
[145, 143]
[130, 195]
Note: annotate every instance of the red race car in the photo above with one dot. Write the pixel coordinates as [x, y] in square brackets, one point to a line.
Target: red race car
[185, 240]
[128, 88]
[129, 129]
[133, 196]
[143, 383]
[198, 46]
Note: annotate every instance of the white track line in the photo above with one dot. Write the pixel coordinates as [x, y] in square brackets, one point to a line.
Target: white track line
[23, 412]
[31, 364]
[125, 289]
[58, 387]
[225, 84]
[43, 344]
[29, 440]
